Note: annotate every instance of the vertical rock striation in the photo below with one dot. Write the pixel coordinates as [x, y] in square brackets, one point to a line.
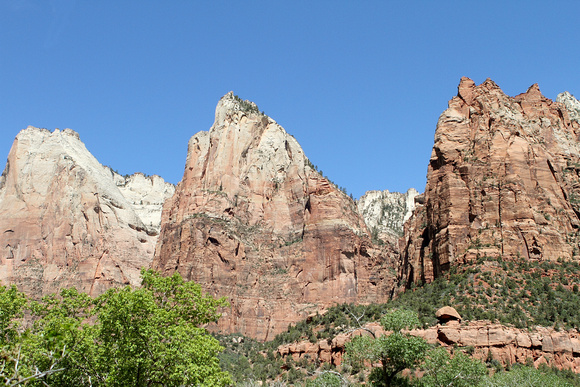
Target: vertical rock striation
[503, 179]
[253, 221]
[63, 220]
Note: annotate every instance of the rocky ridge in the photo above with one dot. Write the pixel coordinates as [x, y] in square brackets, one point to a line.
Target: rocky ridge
[503, 180]
[64, 221]
[483, 339]
[385, 213]
[252, 220]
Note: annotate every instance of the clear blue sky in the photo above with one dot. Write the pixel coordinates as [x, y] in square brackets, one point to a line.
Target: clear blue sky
[360, 84]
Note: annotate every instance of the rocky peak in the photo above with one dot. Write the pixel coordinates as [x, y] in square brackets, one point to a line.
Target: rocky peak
[385, 212]
[501, 181]
[63, 220]
[254, 221]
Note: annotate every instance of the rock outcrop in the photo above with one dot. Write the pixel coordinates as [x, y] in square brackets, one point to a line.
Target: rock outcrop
[253, 221]
[385, 213]
[503, 179]
[483, 339]
[446, 314]
[65, 222]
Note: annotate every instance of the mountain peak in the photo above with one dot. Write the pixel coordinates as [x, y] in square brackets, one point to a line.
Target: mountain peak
[64, 220]
[230, 105]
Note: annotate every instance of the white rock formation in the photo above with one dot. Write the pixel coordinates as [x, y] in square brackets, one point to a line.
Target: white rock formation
[147, 195]
[65, 222]
[385, 212]
[572, 105]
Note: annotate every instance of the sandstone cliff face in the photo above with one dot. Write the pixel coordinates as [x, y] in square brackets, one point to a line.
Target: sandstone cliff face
[253, 221]
[63, 220]
[503, 179]
[385, 213]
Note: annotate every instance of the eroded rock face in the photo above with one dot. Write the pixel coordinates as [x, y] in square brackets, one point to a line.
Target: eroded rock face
[63, 220]
[253, 221]
[503, 179]
[385, 213]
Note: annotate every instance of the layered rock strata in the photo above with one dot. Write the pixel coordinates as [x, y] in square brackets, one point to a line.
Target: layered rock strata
[507, 345]
[385, 213]
[503, 179]
[64, 221]
[253, 221]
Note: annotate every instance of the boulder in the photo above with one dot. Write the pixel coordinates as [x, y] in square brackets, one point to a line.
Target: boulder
[447, 313]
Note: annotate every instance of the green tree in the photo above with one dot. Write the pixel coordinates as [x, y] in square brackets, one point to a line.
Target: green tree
[22, 360]
[147, 336]
[393, 352]
[458, 371]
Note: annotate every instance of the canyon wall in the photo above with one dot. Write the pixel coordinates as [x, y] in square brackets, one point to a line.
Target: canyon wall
[385, 213]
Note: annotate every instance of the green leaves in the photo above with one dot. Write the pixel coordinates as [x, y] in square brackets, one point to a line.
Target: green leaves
[125, 337]
[12, 304]
[394, 352]
[398, 319]
[526, 377]
[458, 371]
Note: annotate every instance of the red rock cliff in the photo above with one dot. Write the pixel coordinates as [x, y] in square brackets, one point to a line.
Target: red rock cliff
[253, 221]
[503, 179]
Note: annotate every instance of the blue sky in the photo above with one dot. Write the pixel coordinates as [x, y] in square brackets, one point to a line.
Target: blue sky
[360, 84]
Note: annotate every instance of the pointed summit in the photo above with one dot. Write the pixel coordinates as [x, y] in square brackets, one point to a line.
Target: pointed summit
[254, 221]
[231, 104]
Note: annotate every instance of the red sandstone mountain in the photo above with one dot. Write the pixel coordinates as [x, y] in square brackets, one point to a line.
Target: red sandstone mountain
[66, 220]
[253, 221]
[503, 179]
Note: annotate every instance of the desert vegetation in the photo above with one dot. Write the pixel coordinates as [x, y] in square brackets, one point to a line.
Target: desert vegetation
[155, 335]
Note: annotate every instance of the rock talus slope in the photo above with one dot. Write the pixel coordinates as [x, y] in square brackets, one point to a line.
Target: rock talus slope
[253, 221]
[503, 179]
[65, 222]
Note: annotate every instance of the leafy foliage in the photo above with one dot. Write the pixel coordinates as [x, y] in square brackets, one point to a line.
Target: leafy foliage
[393, 352]
[125, 337]
[528, 377]
[442, 370]
[327, 379]
[247, 360]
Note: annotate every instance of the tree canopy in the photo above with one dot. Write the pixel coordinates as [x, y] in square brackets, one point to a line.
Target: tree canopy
[151, 335]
